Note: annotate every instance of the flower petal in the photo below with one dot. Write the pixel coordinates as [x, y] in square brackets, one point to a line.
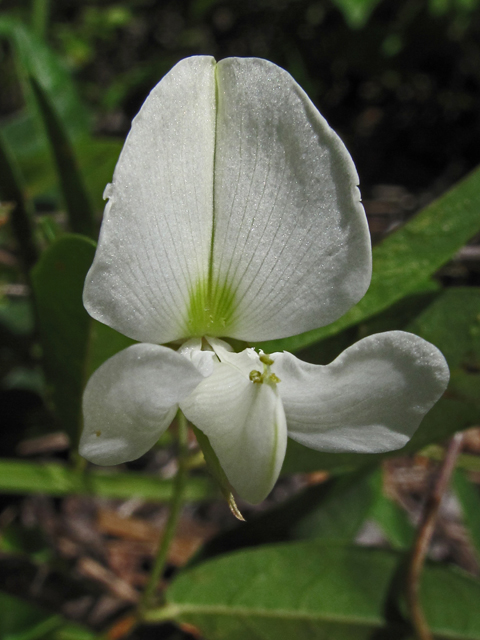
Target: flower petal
[131, 399]
[291, 248]
[370, 399]
[245, 424]
[155, 239]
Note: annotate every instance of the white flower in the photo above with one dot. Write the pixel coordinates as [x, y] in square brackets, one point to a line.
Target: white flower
[234, 213]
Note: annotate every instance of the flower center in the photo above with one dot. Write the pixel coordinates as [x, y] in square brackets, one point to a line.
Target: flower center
[267, 376]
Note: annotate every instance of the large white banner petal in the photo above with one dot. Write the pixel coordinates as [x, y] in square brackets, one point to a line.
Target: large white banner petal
[291, 249]
[155, 240]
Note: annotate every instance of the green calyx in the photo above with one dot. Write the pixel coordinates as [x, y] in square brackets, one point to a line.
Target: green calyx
[211, 310]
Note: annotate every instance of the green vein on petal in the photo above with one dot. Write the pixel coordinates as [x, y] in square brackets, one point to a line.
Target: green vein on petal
[211, 310]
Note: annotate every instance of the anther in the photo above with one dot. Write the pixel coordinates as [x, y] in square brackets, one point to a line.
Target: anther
[256, 377]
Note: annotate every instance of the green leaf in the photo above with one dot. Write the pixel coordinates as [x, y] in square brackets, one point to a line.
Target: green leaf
[335, 510]
[40, 15]
[404, 261]
[469, 498]
[396, 317]
[24, 621]
[96, 158]
[37, 60]
[315, 590]
[81, 215]
[53, 101]
[452, 323]
[466, 387]
[16, 316]
[55, 479]
[19, 617]
[73, 344]
[356, 12]
[394, 522]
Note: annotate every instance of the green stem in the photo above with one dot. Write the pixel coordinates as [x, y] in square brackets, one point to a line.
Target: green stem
[175, 510]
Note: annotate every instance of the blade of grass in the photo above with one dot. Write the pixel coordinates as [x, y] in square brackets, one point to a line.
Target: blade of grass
[12, 191]
[40, 15]
[79, 208]
[55, 479]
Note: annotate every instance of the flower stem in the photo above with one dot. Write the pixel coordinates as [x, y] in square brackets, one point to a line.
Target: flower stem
[175, 509]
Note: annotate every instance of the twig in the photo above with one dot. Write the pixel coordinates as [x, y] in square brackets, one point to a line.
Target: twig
[424, 536]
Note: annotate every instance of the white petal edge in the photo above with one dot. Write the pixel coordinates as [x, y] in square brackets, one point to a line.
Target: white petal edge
[371, 399]
[155, 238]
[245, 424]
[131, 399]
[291, 240]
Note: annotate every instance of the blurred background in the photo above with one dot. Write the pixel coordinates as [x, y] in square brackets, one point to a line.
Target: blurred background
[399, 80]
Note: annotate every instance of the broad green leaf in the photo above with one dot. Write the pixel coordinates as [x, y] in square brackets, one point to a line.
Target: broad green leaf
[21, 620]
[393, 521]
[73, 344]
[398, 316]
[452, 323]
[16, 316]
[96, 158]
[19, 617]
[446, 418]
[406, 259]
[466, 387]
[55, 479]
[333, 510]
[356, 12]
[469, 498]
[315, 590]
[12, 191]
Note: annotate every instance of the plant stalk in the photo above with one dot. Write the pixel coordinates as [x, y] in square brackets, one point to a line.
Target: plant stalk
[175, 510]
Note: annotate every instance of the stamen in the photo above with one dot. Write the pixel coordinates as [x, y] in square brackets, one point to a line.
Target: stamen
[256, 377]
[267, 376]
